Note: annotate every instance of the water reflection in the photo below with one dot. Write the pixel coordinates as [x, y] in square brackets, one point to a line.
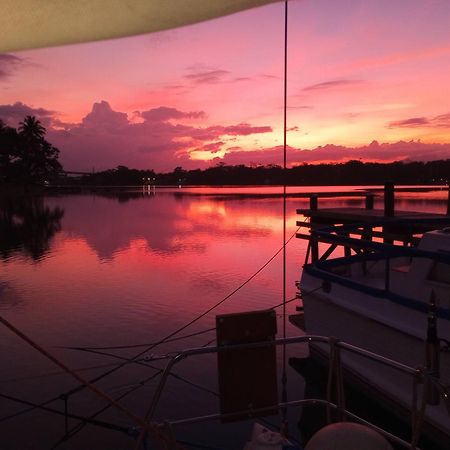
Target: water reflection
[164, 224]
[169, 223]
[27, 225]
[130, 268]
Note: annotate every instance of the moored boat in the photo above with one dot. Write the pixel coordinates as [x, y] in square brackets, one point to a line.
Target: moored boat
[387, 291]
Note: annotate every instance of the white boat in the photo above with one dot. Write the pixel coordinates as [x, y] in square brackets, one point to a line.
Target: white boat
[390, 298]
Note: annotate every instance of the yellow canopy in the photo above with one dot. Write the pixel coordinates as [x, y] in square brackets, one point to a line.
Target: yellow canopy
[28, 24]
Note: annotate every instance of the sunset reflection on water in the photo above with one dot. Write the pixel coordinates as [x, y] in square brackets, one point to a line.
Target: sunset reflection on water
[127, 269]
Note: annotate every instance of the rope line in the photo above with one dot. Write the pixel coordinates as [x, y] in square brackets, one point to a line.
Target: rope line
[99, 423]
[56, 373]
[77, 428]
[120, 347]
[79, 378]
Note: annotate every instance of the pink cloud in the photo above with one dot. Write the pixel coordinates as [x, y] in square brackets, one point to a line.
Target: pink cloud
[395, 58]
[164, 113]
[213, 147]
[102, 116]
[441, 121]
[385, 152]
[207, 76]
[333, 84]
[15, 113]
[8, 64]
[243, 129]
[107, 138]
[414, 122]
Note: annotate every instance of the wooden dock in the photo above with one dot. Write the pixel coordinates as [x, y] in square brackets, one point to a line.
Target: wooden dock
[359, 215]
[386, 224]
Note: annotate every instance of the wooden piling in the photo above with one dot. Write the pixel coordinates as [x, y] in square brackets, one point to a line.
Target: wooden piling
[313, 206]
[448, 201]
[389, 199]
[369, 201]
[389, 211]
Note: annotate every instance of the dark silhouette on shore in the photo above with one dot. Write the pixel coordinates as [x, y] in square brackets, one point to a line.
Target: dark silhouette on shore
[349, 173]
[26, 158]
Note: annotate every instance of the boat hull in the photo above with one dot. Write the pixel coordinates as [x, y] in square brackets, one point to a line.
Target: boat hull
[325, 315]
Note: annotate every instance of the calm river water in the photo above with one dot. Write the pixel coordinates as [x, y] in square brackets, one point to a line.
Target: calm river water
[108, 270]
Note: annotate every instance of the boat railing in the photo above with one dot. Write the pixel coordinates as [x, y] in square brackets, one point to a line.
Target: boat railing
[420, 376]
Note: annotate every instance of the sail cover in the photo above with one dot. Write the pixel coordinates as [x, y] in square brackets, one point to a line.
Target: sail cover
[26, 24]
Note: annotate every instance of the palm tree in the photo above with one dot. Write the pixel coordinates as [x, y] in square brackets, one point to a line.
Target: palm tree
[9, 148]
[32, 129]
[38, 158]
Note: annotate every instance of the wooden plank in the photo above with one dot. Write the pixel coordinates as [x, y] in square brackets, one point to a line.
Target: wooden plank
[247, 377]
[363, 215]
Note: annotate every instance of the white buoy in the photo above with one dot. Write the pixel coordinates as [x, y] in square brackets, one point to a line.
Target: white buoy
[347, 436]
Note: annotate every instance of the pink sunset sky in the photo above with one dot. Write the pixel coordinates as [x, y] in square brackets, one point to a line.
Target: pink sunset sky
[367, 79]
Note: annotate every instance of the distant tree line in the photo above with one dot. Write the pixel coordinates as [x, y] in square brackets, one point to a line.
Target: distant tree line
[25, 155]
[349, 173]
[120, 176]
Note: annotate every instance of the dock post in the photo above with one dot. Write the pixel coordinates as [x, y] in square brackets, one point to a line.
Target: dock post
[313, 205]
[389, 199]
[388, 207]
[448, 201]
[369, 201]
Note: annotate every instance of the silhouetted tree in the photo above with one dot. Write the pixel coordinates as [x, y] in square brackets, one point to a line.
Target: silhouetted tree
[32, 129]
[9, 143]
[26, 156]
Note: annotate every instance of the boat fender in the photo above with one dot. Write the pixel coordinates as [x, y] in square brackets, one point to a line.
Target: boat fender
[347, 436]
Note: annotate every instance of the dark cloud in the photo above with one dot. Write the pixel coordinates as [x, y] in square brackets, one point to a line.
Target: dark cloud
[333, 84]
[441, 121]
[174, 87]
[207, 76]
[212, 147]
[15, 113]
[270, 77]
[107, 138]
[102, 116]
[8, 64]
[164, 113]
[242, 129]
[414, 122]
[300, 107]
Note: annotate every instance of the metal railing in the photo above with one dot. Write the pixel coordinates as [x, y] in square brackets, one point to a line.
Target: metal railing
[418, 375]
